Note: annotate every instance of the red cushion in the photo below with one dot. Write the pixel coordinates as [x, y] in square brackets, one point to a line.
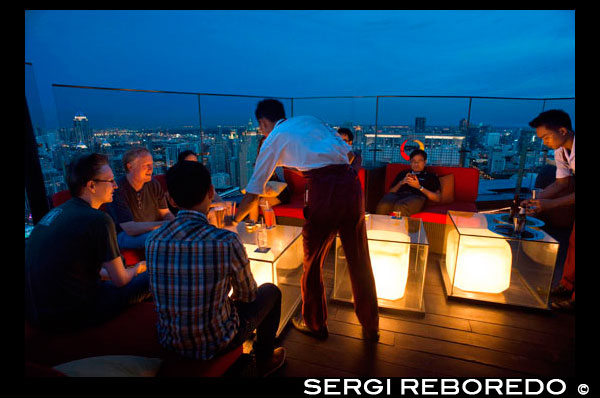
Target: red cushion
[296, 182]
[133, 256]
[60, 197]
[292, 209]
[133, 332]
[437, 213]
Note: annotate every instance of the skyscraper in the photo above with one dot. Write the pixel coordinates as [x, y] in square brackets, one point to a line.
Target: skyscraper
[419, 125]
[81, 130]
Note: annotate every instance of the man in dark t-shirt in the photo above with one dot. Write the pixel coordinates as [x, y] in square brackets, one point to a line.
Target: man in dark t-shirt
[71, 247]
[139, 205]
[411, 188]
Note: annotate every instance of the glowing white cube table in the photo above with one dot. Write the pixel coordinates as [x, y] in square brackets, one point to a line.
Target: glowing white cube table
[482, 261]
[281, 265]
[398, 249]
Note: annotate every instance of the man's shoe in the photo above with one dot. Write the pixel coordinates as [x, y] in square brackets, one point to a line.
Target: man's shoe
[269, 365]
[299, 324]
[560, 292]
[565, 305]
[371, 335]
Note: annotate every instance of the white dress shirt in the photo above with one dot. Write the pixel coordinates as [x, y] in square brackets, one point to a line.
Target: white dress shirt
[303, 143]
[565, 162]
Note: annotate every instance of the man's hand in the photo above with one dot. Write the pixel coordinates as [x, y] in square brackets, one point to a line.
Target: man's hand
[534, 206]
[141, 267]
[412, 181]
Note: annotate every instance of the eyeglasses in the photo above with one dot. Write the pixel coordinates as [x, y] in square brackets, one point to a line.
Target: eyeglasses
[112, 180]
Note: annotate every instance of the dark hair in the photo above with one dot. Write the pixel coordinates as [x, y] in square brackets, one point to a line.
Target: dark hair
[132, 154]
[418, 152]
[344, 130]
[83, 169]
[188, 183]
[269, 109]
[185, 154]
[552, 119]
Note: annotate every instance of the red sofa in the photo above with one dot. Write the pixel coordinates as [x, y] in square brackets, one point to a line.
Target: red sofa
[460, 193]
[296, 184]
[133, 332]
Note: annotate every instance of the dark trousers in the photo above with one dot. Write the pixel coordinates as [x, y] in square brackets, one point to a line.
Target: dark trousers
[405, 202]
[112, 300]
[336, 205]
[568, 276]
[262, 314]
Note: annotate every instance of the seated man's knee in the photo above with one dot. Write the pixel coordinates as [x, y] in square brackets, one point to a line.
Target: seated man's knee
[270, 288]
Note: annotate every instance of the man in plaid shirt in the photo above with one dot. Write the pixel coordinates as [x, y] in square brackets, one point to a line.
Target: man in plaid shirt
[192, 267]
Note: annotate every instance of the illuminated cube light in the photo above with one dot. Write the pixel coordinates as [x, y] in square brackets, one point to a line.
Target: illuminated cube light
[389, 261]
[482, 264]
[262, 272]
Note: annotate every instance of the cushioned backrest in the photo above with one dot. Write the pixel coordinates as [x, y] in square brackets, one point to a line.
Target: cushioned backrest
[296, 182]
[466, 180]
[60, 197]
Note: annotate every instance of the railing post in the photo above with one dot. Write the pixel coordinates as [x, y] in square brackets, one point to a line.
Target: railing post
[376, 128]
[202, 156]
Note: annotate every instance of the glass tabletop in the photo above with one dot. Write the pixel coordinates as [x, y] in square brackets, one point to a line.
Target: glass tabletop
[278, 240]
[484, 225]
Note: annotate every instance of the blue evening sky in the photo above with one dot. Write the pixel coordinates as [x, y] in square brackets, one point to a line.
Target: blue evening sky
[297, 53]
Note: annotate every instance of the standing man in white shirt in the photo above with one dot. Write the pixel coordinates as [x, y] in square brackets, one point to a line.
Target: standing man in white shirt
[334, 203]
[555, 129]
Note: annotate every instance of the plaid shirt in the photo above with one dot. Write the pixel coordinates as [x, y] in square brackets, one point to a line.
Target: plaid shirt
[192, 266]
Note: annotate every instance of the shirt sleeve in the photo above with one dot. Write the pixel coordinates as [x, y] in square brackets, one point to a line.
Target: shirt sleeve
[242, 280]
[562, 164]
[119, 208]
[106, 238]
[266, 162]
[160, 195]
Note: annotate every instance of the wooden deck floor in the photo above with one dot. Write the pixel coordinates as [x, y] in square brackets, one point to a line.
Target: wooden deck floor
[453, 339]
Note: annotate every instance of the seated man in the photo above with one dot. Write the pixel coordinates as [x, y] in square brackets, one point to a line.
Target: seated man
[555, 129]
[139, 206]
[411, 188]
[354, 157]
[193, 266]
[68, 248]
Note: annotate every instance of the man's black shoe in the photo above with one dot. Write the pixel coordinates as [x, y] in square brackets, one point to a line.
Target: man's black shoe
[299, 324]
[269, 365]
[560, 292]
[372, 335]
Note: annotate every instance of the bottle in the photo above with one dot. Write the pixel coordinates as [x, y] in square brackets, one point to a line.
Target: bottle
[269, 216]
[514, 208]
[521, 220]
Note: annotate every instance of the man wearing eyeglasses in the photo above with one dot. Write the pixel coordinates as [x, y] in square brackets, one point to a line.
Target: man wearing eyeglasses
[139, 205]
[68, 250]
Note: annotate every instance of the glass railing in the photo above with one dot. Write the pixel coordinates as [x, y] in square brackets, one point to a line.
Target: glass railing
[490, 134]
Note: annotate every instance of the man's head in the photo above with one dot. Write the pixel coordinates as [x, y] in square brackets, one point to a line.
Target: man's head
[347, 135]
[418, 160]
[553, 127]
[267, 113]
[90, 177]
[189, 184]
[138, 164]
[187, 155]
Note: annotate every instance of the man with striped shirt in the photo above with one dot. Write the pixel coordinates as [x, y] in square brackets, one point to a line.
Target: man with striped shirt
[193, 266]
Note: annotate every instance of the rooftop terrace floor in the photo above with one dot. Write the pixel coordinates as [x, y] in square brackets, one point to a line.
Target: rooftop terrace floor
[453, 339]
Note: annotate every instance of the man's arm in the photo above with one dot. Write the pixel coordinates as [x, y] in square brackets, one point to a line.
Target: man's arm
[166, 214]
[248, 201]
[413, 181]
[560, 193]
[119, 274]
[135, 228]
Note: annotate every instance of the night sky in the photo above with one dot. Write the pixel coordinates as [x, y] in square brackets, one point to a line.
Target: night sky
[299, 53]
